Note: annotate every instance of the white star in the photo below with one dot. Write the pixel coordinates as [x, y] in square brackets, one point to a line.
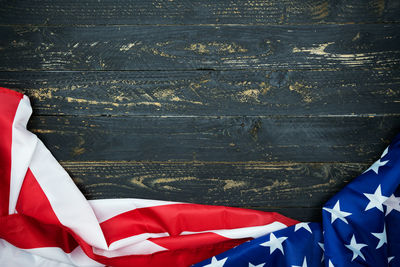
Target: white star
[390, 259]
[336, 213]
[302, 225]
[274, 243]
[376, 199]
[304, 263]
[378, 163]
[392, 203]
[216, 263]
[323, 250]
[260, 265]
[385, 152]
[356, 248]
[331, 264]
[381, 237]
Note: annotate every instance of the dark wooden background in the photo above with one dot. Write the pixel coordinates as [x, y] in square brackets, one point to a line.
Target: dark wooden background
[271, 105]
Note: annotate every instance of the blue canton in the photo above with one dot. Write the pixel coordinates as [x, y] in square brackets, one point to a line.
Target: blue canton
[360, 227]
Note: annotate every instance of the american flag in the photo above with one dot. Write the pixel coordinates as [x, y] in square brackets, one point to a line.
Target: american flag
[360, 227]
[46, 221]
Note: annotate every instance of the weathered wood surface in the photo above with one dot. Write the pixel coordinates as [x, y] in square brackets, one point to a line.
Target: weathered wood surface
[199, 47]
[217, 138]
[272, 105]
[257, 93]
[50, 12]
[260, 184]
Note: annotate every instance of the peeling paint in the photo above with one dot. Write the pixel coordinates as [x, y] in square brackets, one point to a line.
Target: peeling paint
[347, 59]
[231, 184]
[129, 46]
[249, 95]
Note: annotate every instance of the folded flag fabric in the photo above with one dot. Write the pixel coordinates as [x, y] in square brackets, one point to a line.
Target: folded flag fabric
[360, 227]
[46, 221]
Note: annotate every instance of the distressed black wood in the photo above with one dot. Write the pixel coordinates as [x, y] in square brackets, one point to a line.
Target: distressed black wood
[334, 92]
[272, 105]
[50, 12]
[217, 138]
[199, 47]
[260, 184]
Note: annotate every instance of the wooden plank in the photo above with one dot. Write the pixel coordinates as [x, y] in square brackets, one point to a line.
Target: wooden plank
[217, 138]
[199, 47]
[198, 12]
[242, 184]
[340, 92]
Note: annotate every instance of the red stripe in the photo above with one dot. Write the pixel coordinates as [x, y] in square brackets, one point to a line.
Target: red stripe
[25, 232]
[9, 104]
[32, 202]
[176, 218]
[191, 241]
[175, 258]
[36, 226]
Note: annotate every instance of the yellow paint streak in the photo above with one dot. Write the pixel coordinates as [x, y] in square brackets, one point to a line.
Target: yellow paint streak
[154, 51]
[79, 150]
[163, 43]
[230, 184]
[139, 181]
[355, 38]
[169, 95]
[172, 180]
[320, 11]
[264, 87]
[94, 102]
[157, 104]
[164, 94]
[380, 6]
[249, 95]
[303, 90]
[199, 48]
[276, 185]
[91, 102]
[205, 48]
[347, 59]
[43, 93]
[129, 46]
[319, 50]
[43, 131]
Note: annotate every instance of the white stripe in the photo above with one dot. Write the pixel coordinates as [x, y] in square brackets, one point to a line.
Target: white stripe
[107, 208]
[129, 246]
[68, 203]
[22, 148]
[135, 239]
[12, 256]
[245, 232]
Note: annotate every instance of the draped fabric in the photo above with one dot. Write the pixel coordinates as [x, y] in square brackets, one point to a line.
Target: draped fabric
[360, 227]
[46, 221]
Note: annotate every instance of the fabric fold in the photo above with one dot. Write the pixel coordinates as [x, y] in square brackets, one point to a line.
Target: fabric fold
[45, 217]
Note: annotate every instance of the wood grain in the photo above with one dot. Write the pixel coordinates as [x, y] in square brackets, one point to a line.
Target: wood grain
[50, 12]
[272, 105]
[244, 184]
[216, 138]
[199, 47]
[339, 92]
